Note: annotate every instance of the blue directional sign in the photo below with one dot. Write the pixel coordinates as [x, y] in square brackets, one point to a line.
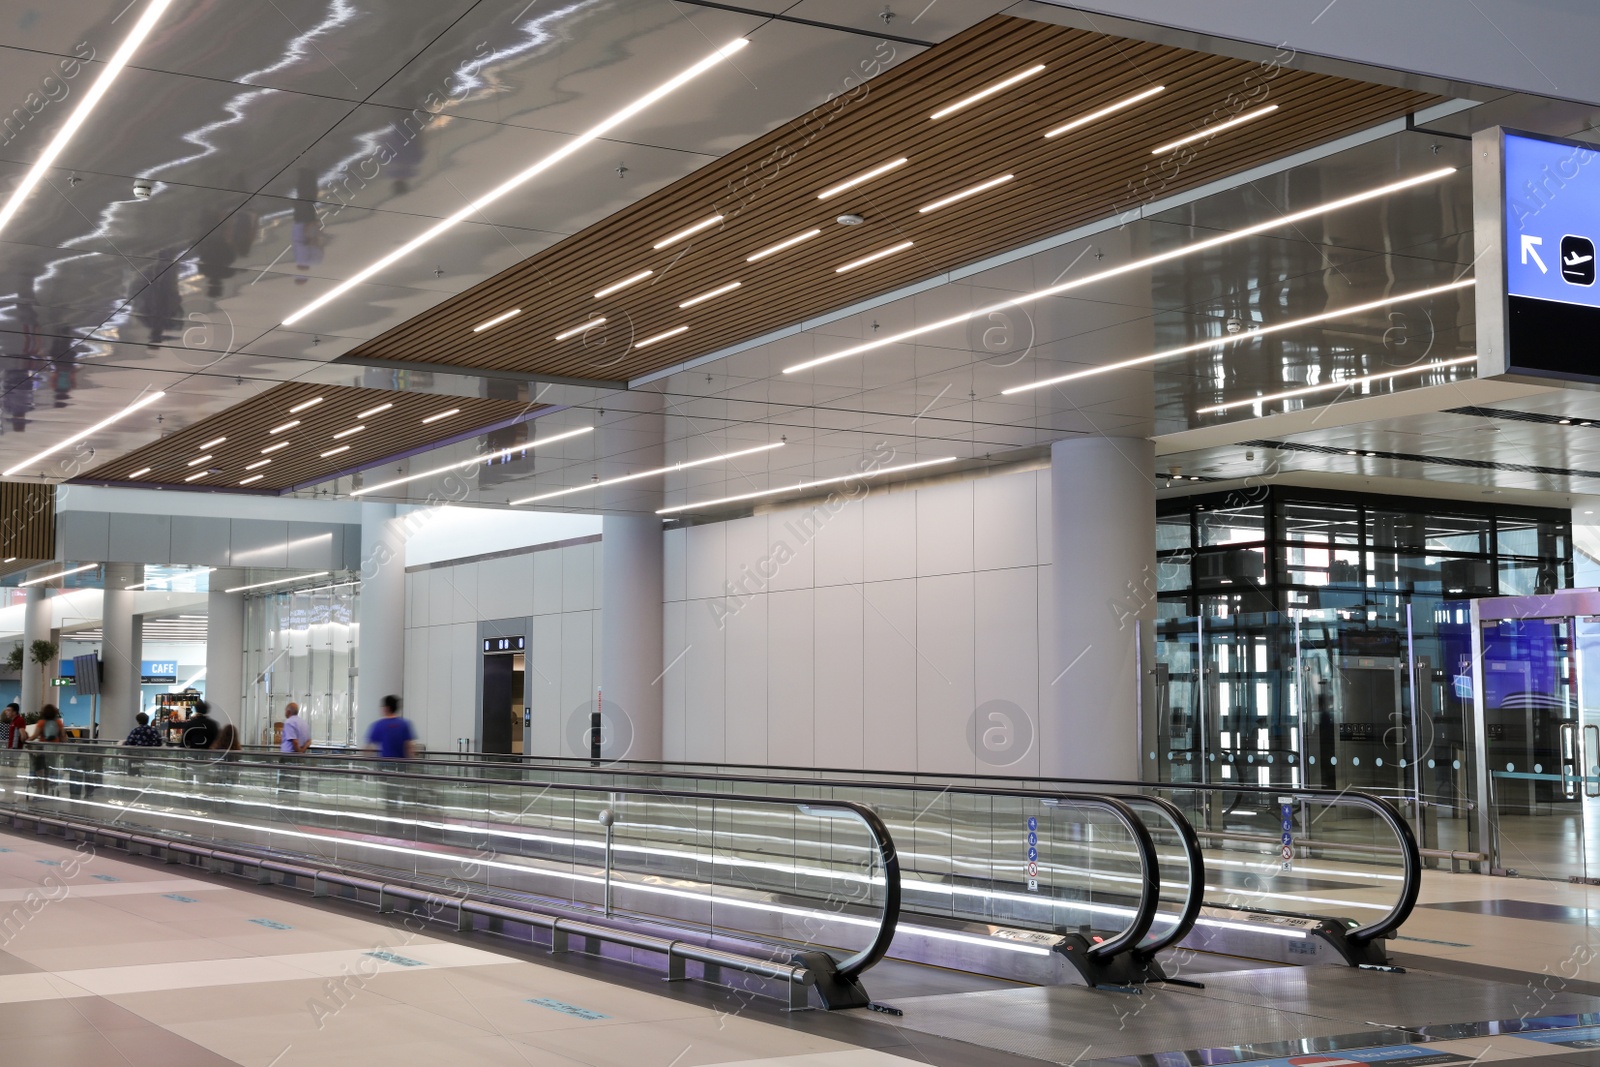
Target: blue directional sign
[1033, 824]
[1538, 304]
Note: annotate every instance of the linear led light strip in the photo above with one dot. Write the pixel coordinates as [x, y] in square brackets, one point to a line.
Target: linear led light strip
[516, 181]
[987, 91]
[305, 405]
[475, 460]
[1238, 338]
[802, 486]
[1421, 368]
[373, 411]
[497, 320]
[213, 443]
[252, 478]
[617, 287]
[650, 473]
[276, 581]
[143, 402]
[576, 330]
[881, 253]
[58, 574]
[1209, 131]
[80, 114]
[864, 176]
[788, 242]
[712, 294]
[1138, 264]
[963, 194]
[662, 336]
[1109, 109]
[688, 231]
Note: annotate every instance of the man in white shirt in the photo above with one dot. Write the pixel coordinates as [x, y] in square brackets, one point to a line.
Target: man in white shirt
[296, 739]
[296, 734]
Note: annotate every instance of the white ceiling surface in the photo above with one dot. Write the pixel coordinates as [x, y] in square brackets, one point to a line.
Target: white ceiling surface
[232, 103]
[76, 607]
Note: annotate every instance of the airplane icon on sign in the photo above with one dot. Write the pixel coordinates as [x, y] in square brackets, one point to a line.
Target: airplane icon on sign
[1577, 260]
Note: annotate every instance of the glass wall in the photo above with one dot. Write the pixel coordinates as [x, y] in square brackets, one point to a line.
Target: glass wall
[1308, 640]
[301, 646]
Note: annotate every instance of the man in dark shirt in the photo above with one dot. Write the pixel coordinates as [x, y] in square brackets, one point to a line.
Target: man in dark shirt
[200, 729]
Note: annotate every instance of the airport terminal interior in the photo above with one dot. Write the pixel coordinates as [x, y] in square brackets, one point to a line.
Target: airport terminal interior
[799, 533]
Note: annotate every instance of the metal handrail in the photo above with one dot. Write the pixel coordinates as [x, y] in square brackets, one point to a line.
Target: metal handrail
[884, 847]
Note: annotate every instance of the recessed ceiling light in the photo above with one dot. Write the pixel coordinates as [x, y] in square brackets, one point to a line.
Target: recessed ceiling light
[1232, 339]
[257, 463]
[703, 297]
[617, 287]
[274, 448]
[675, 331]
[199, 460]
[873, 258]
[58, 574]
[788, 242]
[689, 231]
[807, 485]
[475, 209]
[347, 433]
[649, 473]
[79, 115]
[140, 473]
[963, 194]
[497, 320]
[209, 445]
[864, 176]
[987, 91]
[475, 460]
[335, 451]
[196, 474]
[305, 405]
[1209, 131]
[142, 402]
[286, 426]
[367, 414]
[1124, 268]
[441, 415]
[252, 478]
[1109, 109]
[576, 330]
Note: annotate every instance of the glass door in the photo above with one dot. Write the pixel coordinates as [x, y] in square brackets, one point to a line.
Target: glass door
[1580, 748]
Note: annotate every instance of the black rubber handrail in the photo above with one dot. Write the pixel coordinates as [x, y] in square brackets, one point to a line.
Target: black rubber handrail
[1410, 854]
[1120, 808]
[1194, 898]
[887, 858]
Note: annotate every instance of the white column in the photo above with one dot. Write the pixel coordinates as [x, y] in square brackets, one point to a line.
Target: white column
[381, 625]
[36, 623]
[1103, 550]
[119, 653]
[225, 649]
[630, 636]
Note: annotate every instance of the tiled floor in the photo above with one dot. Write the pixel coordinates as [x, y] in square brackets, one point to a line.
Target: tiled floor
[105, 960]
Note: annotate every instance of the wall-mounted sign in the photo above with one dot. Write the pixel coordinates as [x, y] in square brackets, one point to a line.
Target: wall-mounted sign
[158, 671]
[1536, 216]
[505, 644]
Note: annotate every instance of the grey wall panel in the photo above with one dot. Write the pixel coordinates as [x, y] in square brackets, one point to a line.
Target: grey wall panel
[141, 539]
[201, 541]
[83, 535]
[318, 546]
[259, 543]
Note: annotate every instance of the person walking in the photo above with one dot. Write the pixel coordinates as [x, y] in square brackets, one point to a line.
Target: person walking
[143, 735]
[392, 738]
[48, 732]
[200, 729]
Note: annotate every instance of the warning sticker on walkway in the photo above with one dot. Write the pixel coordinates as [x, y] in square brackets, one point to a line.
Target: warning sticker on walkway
[1390, 1055]
[1575, 1037]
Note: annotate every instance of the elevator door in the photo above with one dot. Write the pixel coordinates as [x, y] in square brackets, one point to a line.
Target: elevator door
[501, 728]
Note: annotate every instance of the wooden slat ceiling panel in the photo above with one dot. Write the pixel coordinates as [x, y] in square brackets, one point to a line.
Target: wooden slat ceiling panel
[767, 191]
[247, 431]
[27, 521]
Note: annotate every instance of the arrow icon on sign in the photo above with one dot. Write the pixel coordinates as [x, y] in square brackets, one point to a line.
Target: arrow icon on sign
[1529, 246]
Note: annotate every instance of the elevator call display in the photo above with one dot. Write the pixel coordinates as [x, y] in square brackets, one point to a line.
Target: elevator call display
[505, 644]
[1537, 221]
